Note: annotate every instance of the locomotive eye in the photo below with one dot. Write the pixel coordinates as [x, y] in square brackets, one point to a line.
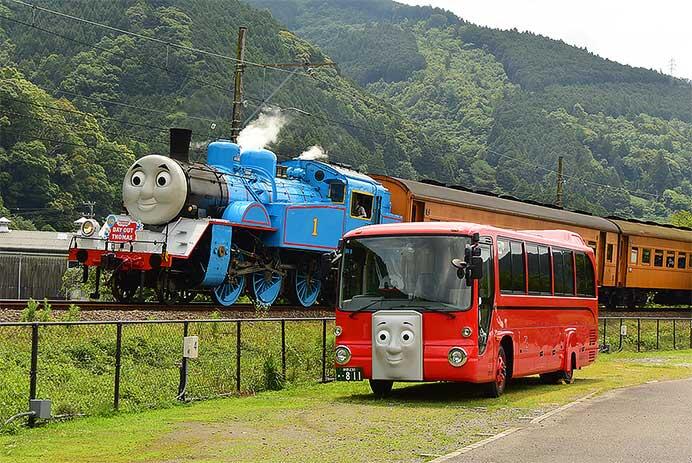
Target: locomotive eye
[383, 337]
[163, 179]
[138, 178]
[406, 337]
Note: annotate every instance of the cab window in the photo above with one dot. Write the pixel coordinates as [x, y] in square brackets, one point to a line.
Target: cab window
[361, 205]
[337, 192]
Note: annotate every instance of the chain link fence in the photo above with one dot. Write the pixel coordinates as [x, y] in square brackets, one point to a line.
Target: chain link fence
[90, 368]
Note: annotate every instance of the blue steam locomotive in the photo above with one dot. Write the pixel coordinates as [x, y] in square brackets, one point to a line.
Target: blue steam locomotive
[240, 223]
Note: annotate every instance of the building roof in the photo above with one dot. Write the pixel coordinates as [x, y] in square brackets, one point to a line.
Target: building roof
[510, 206]
[35, 242]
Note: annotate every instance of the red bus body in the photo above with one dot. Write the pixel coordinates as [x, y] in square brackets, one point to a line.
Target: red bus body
[539, 333]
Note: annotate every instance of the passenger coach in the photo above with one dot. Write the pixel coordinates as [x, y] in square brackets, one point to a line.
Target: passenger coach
[464, 302]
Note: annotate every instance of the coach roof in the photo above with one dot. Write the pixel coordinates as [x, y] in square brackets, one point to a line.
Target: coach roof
[508, 206]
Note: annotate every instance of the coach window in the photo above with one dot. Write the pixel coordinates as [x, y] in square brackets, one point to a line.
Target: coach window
[585, 275]
[682, 259]
[511, 260]
[634, 255]
[658, 258]
[609, 252]
[646, 256]
[564, 272]
[670, 259]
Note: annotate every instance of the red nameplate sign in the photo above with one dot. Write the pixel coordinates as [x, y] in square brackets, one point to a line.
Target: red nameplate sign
[122, 233]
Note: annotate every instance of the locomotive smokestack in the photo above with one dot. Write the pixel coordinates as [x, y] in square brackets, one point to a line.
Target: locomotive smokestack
[180, 144]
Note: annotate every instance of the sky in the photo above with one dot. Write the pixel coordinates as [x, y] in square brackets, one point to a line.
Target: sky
[642, 33]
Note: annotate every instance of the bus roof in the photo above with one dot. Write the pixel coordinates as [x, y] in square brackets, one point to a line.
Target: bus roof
[563, 238]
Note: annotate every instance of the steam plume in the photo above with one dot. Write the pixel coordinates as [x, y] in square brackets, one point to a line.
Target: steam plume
[262, 131]
[314, 153]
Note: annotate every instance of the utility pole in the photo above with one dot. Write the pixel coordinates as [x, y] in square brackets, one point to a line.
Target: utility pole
[90, 205]
[238, 87]
[560, 182]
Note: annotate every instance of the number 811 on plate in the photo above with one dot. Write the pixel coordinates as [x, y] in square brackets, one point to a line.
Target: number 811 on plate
[349, 374]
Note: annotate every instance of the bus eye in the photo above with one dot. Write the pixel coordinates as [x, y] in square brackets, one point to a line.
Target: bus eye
[406, 337]
[383, 337]
[163, 179]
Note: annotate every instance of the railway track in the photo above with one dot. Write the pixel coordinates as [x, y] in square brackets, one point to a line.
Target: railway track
[19, 304]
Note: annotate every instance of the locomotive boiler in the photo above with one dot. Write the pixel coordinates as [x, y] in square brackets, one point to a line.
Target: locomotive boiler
[239, 223]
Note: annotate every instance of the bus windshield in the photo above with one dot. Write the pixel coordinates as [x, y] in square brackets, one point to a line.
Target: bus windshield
[390, 272]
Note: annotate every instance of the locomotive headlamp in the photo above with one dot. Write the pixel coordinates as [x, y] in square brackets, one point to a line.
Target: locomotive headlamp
[342, 354]
[466, 332]
[457, 356]
[88, 228]
[337, 330]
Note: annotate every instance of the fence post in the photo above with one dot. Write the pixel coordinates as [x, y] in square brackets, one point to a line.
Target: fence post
[283, 349]
[182, 385]
[620, 346]
[324, 350]
[34, 368]
[118, 356]
[605, 321]
[691, 334]
[237, 356]
[657, 332]
[674, 335]
[639, 329]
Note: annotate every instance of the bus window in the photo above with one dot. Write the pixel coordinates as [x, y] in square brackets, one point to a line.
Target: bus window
[546, 274]
[585, 275]
[670, 259]
[505, 260]
[568, 262]
[634, 256]
[518, 277]
[658, 258]
[682, 258]
[646, 256]
[564, 272]
[534, 268]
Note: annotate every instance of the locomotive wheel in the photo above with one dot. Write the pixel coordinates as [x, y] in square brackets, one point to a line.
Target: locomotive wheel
[228, 292]
[124, 286]
[266, 287]
[305, 287]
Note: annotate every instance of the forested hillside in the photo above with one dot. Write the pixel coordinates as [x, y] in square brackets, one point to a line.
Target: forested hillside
[511, 103]
[417, 92]
[137, 88]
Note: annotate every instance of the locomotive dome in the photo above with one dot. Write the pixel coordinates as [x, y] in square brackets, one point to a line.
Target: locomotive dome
[154, 189]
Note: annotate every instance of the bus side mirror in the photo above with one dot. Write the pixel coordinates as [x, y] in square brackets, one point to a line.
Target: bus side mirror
[326, 263]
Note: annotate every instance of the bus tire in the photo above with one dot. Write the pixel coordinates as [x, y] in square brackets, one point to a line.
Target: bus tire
[381, 387]
[497, 387]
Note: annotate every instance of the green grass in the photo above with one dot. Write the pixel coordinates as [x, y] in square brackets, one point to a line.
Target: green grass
[77, 363]
[332, 422]
[647, 334]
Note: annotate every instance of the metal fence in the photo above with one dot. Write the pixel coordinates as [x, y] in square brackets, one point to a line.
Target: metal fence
[88, 368]
[645, 333]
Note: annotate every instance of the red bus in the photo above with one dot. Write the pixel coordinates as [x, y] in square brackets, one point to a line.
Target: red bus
[448, 301]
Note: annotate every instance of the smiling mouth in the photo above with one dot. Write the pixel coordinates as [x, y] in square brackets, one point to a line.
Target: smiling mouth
[395, 360]
[147, 204]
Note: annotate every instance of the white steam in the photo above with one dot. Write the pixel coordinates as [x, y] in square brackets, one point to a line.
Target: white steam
[314, 153]
[262, 131]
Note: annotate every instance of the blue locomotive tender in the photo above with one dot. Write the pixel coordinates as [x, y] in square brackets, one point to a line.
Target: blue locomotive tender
[240, 223]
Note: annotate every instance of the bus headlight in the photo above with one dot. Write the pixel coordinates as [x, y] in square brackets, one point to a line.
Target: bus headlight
[337, 331]
[342, 355]
[457, 356]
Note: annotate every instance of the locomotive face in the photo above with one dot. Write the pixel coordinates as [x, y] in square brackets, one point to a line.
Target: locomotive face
[154, 190]
[397, 345]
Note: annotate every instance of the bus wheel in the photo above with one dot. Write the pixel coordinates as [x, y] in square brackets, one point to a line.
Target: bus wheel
[381, 387]
[497, 387]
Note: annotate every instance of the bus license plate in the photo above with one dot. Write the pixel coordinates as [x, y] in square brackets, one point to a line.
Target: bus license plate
[349, 374]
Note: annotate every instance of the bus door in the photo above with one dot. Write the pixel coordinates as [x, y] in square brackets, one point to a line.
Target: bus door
[486, 297]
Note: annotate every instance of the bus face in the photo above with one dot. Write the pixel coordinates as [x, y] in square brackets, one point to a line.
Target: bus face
[405, 314]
